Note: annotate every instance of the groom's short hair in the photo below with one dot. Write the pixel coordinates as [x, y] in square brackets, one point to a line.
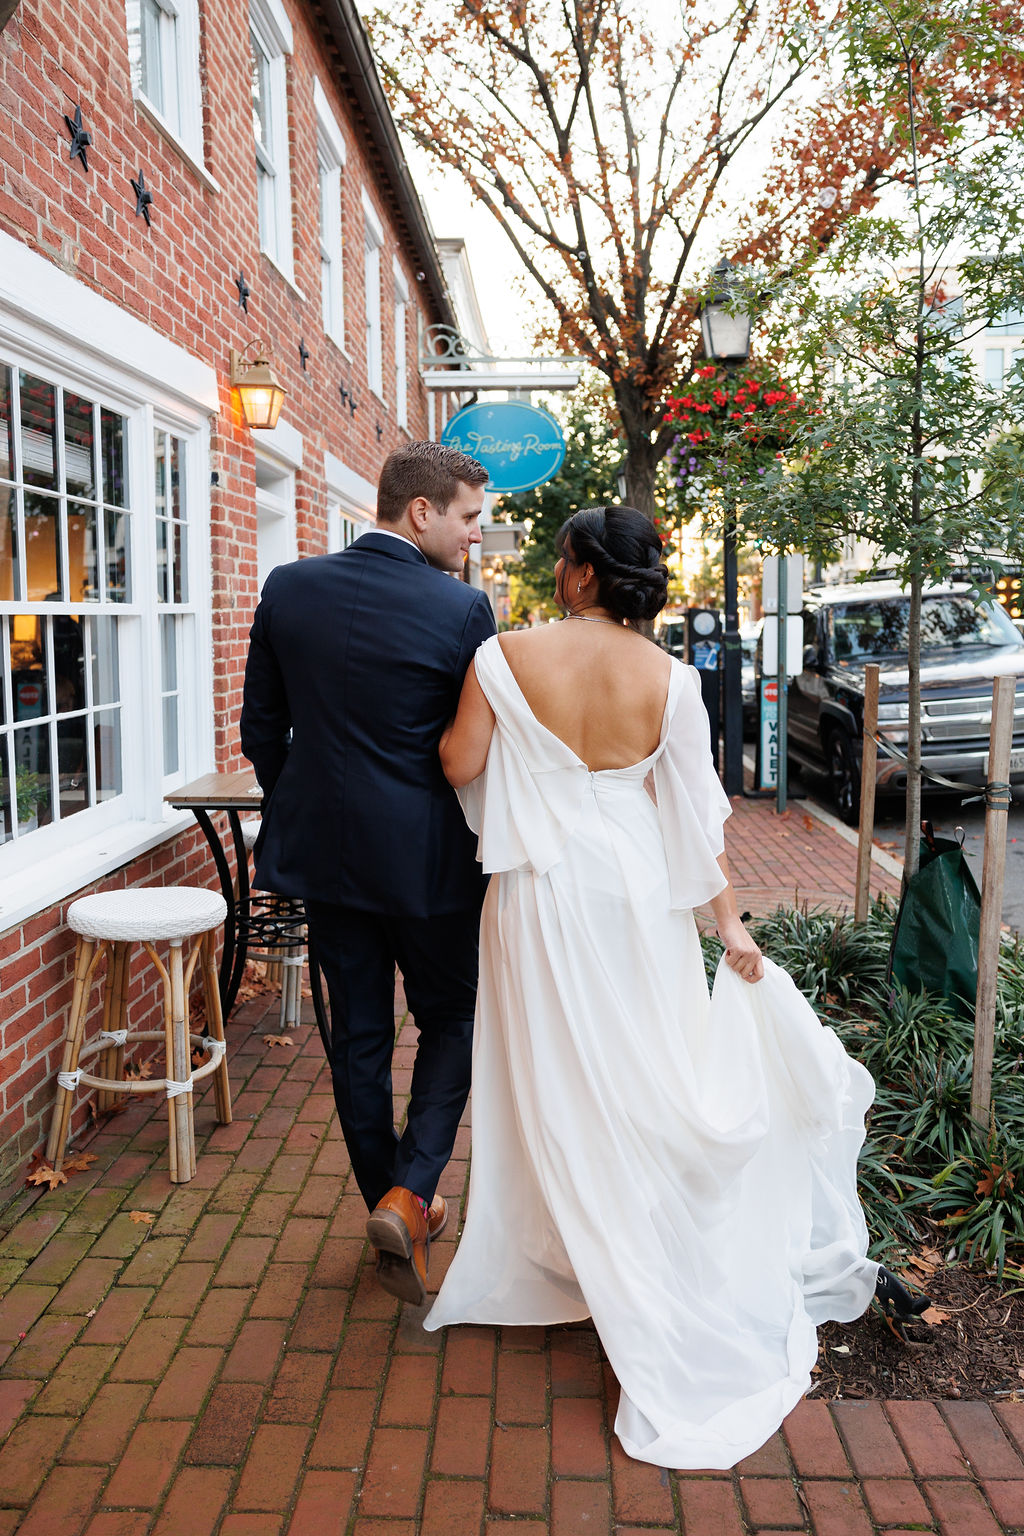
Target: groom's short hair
[430, 470]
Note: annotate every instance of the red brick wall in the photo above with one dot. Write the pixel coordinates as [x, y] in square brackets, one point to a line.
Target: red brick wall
[178, 277]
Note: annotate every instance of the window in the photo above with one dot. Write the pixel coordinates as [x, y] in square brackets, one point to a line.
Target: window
[330, 157]
[270, 41]
[65, 571]
[170, 503]
[163, 54]
[351, 503]
[401, 348]
[86, 545]
[275, 517]
[373, 239]
[994, 367]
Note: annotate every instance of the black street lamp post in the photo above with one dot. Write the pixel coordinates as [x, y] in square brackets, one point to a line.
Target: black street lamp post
[726, 332]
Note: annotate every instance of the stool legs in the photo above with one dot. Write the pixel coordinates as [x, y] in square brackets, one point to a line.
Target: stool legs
[115, 1017]
[87, 956]
[215, 1024]
[182, 1145]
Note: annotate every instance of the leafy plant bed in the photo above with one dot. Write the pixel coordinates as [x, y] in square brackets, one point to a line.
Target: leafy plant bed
[942, 1209]
[974, 1349]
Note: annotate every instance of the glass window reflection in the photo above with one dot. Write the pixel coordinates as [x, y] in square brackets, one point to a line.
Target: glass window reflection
[38, 432]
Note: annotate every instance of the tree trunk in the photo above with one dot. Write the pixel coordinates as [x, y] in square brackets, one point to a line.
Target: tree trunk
[641, 467]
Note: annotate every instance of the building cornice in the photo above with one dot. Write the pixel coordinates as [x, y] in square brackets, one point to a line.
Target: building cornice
[346, 36]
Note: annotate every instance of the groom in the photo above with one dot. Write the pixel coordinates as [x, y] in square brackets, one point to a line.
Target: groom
[360, 656]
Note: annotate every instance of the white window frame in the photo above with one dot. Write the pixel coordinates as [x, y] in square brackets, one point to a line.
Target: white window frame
[373, 243]
[179, 73]
[53, 327]
[331, 156]
[273, 33]
[278, 461]
[351, 503]
[402, 301]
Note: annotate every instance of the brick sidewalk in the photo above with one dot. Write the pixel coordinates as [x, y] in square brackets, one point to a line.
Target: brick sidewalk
[234, 1370]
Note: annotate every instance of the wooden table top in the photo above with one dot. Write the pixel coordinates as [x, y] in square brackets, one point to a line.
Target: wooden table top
[218, 792]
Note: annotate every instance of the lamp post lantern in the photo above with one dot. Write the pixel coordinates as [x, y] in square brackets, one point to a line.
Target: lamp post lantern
[726, 333]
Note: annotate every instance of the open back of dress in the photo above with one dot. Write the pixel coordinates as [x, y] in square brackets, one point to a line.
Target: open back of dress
[679, 1168]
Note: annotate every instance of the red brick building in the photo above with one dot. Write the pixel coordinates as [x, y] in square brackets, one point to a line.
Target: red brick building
[238, 150]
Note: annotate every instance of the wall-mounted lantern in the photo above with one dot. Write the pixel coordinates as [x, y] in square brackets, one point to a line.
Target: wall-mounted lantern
[260, 392]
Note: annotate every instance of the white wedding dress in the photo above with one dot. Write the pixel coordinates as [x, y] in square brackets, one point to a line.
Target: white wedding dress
[682, 1170]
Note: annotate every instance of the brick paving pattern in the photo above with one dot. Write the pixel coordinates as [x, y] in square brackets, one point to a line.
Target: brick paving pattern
[234, 1370]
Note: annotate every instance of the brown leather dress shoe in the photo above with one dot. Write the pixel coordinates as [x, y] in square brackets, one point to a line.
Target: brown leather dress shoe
[437, 1216]
[398, 1230]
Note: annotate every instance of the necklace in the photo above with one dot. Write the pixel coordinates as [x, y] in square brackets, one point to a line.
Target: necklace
[589, 618]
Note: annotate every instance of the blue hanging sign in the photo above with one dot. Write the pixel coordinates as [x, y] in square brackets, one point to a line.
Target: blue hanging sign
[519, 445]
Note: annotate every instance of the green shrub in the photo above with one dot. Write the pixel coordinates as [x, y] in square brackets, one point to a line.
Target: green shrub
[921, 1170]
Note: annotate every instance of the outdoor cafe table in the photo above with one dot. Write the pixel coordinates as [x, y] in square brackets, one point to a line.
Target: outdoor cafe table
[234, 792]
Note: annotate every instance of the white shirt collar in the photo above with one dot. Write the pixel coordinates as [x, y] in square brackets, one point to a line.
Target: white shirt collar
[390, 533]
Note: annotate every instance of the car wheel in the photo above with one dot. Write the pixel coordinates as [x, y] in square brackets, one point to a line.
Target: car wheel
[843, 777]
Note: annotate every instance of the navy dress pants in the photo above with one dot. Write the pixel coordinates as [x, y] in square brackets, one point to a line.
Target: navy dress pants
[437, 956]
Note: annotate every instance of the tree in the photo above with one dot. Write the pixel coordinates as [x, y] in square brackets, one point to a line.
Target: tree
[587, 477]
[618, 146]
[902, 453]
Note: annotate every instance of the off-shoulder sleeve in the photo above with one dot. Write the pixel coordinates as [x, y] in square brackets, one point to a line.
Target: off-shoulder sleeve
[692, 805]
[525, 804]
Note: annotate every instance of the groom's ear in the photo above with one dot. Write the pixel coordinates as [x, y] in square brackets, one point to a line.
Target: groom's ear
[418, 512]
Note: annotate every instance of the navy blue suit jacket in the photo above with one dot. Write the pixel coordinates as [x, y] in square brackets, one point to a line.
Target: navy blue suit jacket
[361, 655]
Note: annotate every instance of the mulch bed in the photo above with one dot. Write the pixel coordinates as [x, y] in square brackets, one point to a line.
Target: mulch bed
[974, 1348]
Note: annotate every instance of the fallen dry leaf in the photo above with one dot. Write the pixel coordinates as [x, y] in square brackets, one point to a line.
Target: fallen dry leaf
[808, 822]
[80, 1162]
[44, 1174]
[138, 1069]
[935, 1316]
[273, 1040]
[145, 1218]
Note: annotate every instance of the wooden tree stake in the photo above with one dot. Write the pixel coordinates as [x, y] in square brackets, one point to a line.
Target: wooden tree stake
[993, 870]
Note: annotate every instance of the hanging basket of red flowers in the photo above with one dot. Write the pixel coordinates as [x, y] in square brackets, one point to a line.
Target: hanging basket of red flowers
[731, 420]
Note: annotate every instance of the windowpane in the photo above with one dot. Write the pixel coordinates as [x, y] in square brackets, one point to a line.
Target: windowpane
[32, 788]
[73, 765]
[265, 199]
[6, 818]
[68, 663]
[162, 561]
[177, 489]
[994, 367]
[168, 656]
[79, 456]
[112, 438]
[261, 115]
[10, 565]
[171, 733]
[108, 754]
[38, 433]
[180, 565]
[28, 666]
[105, 667]
[83, 553]
[6, 427]
[42, 539]
[117, 529]
[151, 65]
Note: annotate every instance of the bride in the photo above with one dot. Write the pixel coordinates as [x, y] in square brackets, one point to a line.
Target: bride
[681, 1169]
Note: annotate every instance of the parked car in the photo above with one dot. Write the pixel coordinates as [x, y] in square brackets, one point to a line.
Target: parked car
[750, 634]
[963, 648]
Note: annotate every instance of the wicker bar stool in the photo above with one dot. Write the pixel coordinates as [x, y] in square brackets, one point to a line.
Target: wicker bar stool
[108, 924]
[275, 929]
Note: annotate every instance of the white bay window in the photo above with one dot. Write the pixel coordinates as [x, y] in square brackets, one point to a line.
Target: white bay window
[105, 622]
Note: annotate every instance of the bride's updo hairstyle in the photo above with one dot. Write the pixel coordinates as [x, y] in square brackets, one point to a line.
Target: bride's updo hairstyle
[625, 551]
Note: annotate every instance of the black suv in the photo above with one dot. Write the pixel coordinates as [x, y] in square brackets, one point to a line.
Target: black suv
[963, 647]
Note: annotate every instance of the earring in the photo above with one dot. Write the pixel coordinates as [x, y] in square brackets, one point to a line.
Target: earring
[579, 588]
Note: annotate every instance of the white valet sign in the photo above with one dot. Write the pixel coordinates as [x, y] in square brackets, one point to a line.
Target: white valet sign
[782, 587]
